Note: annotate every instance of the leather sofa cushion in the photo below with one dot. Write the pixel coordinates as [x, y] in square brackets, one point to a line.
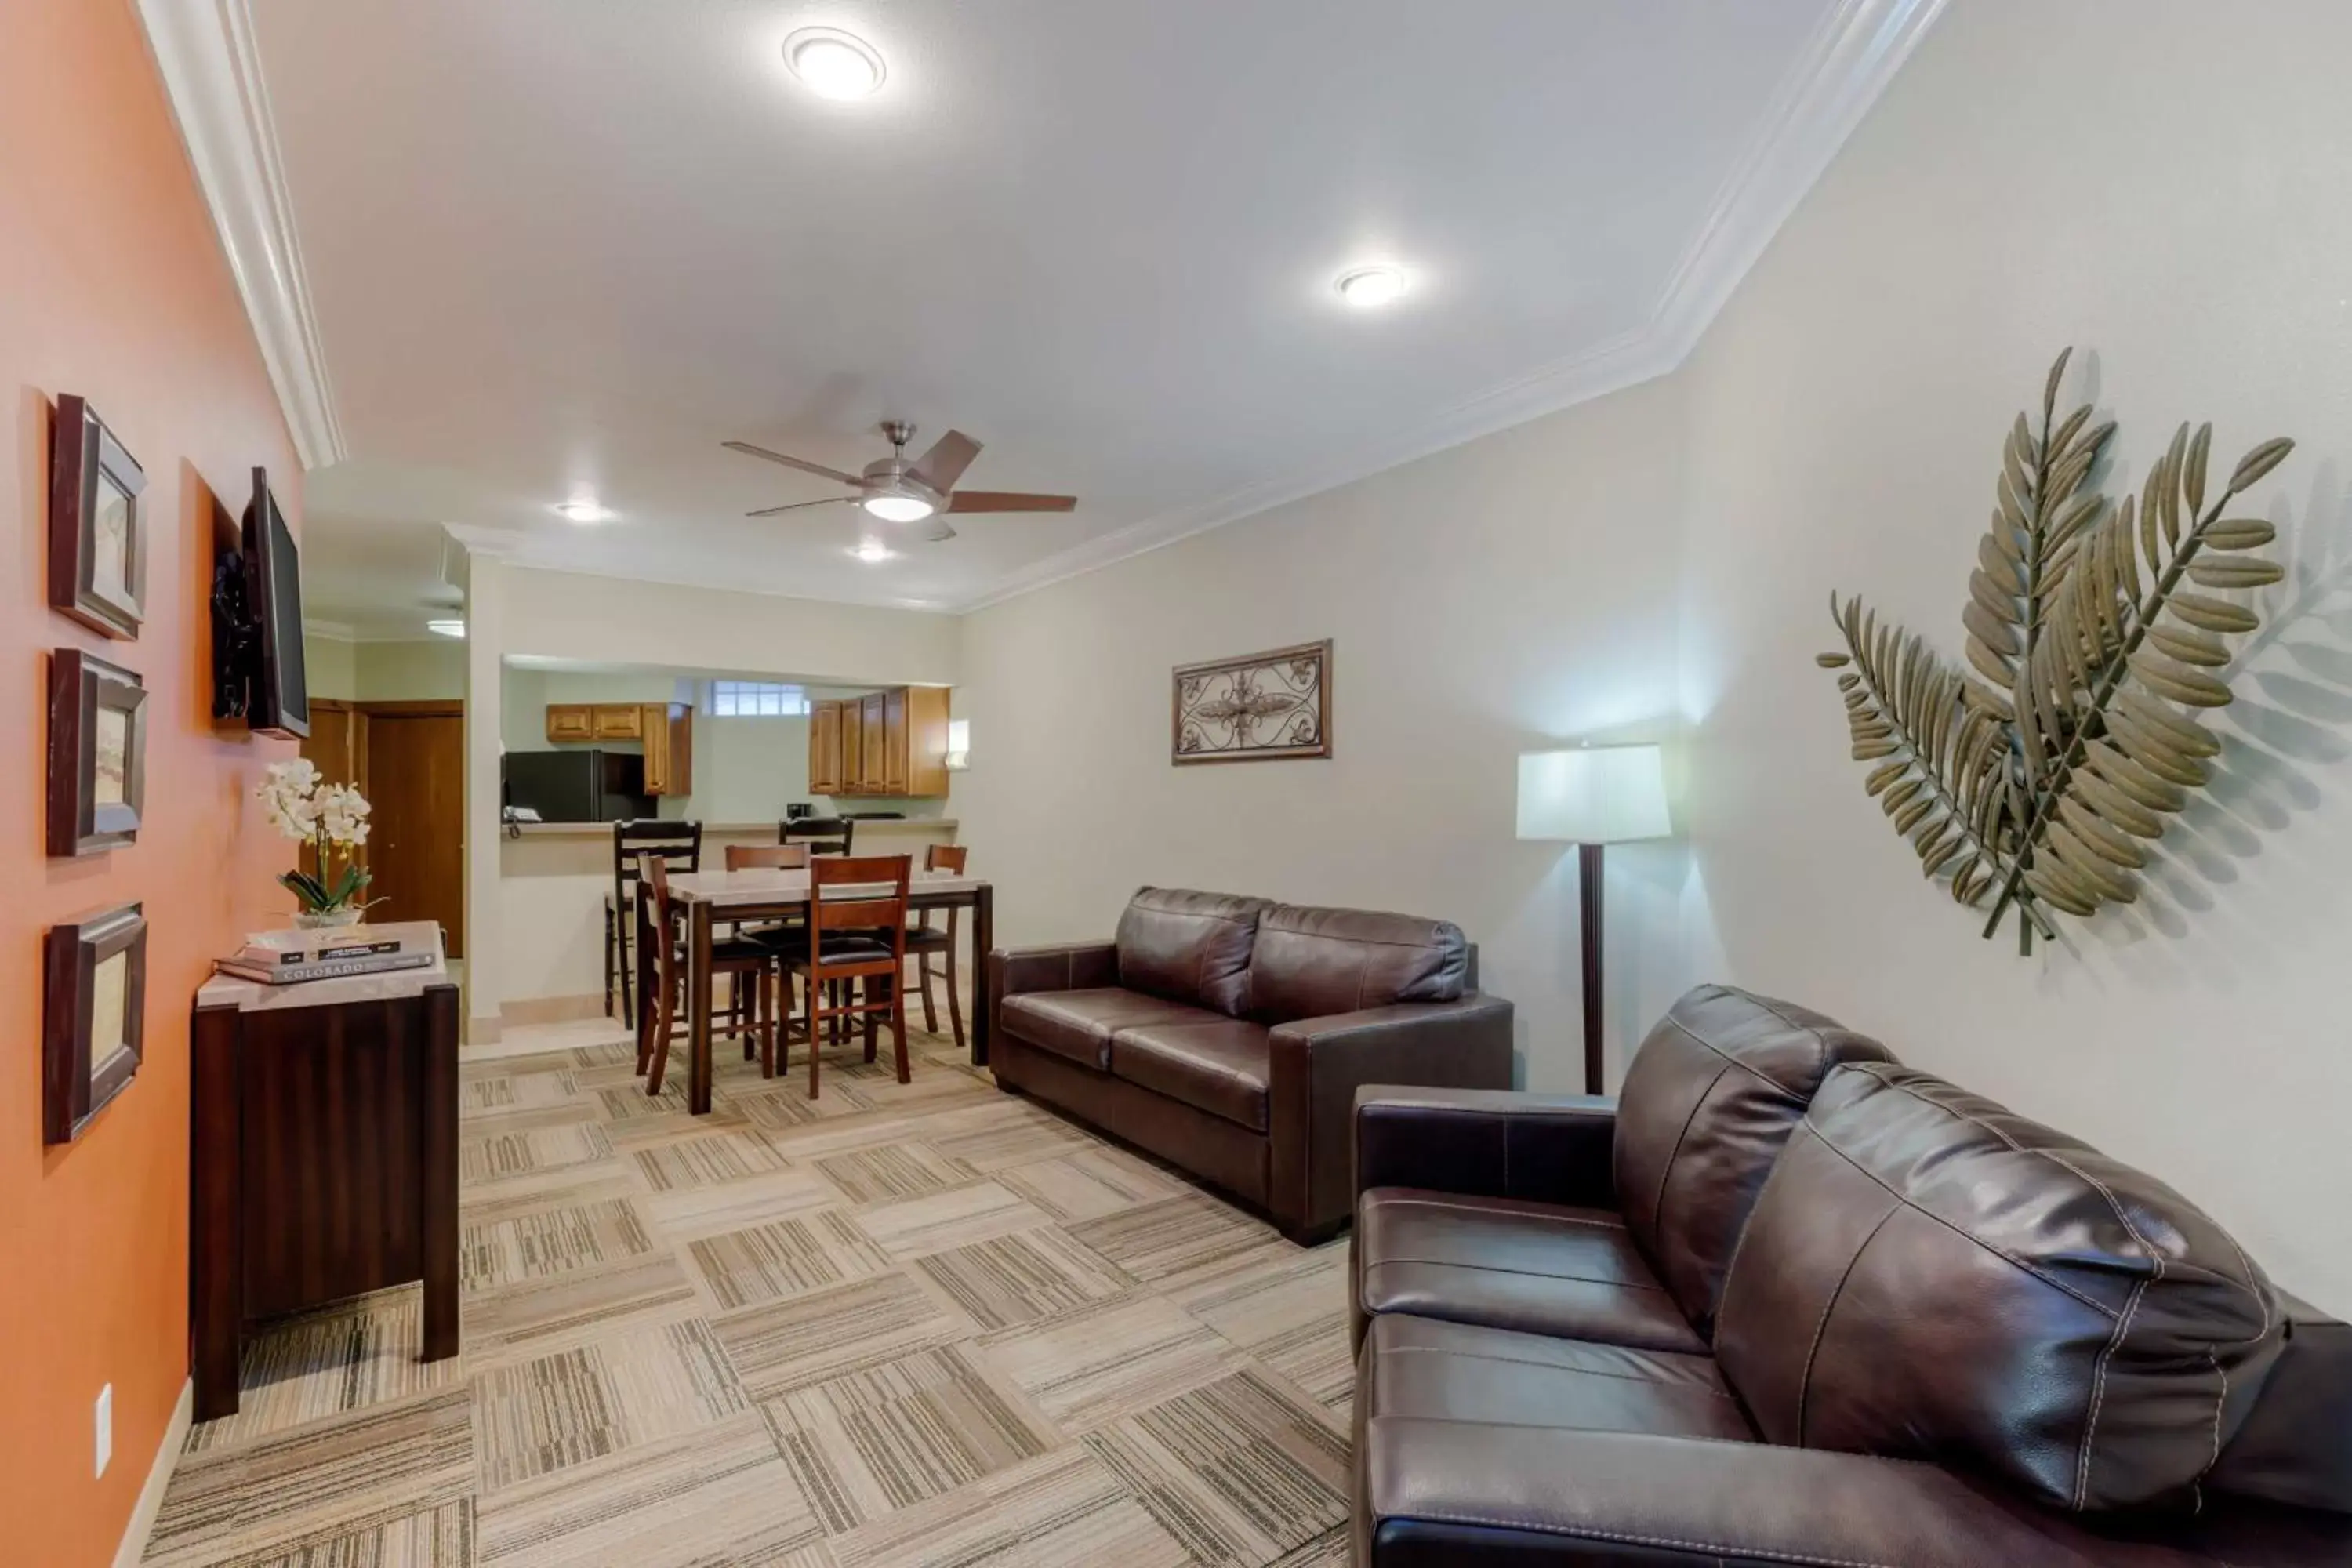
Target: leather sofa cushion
[1192, 948]
[1078, 1024]
[1417, 1368]
[1507, 1263]
[1707, 1103]
[2296, 1444]
[1316, 964]
[1217, 1066]
[1927, 1275]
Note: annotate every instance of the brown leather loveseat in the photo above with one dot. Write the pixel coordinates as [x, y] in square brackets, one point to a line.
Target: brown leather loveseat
[1229, 1035]
[1785, 1300]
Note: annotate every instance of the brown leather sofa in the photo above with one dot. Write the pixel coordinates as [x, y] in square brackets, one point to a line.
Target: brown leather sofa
[1229, 1035]
[1785, 1300]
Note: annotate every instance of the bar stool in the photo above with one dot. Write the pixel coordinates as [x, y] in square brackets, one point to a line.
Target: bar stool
[823, 835]
[925, 940]
[841, 948]
[739, 958]
[679, 845]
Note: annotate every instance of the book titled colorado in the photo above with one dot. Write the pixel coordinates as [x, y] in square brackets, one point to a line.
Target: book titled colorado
[380, 959]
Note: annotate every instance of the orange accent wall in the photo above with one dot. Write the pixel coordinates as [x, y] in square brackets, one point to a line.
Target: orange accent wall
[113, 286]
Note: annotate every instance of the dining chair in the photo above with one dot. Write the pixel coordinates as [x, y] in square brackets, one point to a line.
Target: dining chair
[841, 946]
[739, 958]
[924, 940]
[770, 857]
[679, 845]
[823, 835]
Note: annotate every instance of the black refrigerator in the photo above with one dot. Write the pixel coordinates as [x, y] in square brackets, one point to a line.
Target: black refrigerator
[579, 786]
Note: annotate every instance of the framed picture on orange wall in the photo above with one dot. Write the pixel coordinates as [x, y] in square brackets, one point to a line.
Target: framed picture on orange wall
[93, 1011]
[98, 524]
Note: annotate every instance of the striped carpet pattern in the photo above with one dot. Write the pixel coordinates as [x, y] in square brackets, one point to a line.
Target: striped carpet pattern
[902, 1325]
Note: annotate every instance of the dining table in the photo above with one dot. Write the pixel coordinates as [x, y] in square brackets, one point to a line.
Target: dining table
[701, 900]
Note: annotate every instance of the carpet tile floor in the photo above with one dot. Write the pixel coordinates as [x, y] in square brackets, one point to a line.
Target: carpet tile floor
[902, 1325]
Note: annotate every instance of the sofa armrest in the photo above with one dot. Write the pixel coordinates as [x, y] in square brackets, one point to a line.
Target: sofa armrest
[1315, 1066]
[1063, 966]
[1551, 1148]
[1465, 1494]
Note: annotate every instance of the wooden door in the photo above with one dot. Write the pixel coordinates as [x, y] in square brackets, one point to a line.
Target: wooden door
[658, 760]
[870, 764]
[927, 741]
[570, 721]
[417, 842]
[619, 722]
[337, 747]
[894, 740]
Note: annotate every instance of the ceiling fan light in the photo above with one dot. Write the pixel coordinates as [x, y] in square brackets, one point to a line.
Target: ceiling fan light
[873, 552]
[899, 508]
[834, 64]
[1370, 287]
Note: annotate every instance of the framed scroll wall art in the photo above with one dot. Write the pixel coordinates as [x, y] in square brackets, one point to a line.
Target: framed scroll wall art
[1260, 707]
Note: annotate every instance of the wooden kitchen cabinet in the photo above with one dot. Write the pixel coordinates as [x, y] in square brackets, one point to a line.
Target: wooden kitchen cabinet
[871, 762]
[570, 721]
[885, 744]
[620, 721]
[669, 731]
[825, 748]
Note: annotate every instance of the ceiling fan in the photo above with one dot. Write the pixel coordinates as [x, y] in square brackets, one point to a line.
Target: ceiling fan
[896, 490]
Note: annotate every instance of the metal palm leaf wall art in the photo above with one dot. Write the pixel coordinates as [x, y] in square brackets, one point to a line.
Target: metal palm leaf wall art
[2033, 779]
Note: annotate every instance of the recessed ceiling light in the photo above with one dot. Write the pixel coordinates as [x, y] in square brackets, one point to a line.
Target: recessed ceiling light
[834, 64]
[871, 551]
[583, 509]
[899, 508]
[446, 628]
[1370, 287]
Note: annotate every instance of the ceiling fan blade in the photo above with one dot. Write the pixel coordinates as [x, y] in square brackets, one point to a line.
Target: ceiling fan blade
[940, 532]
[1008, 500]
[944, 464]
[795, 506]
[807, 468]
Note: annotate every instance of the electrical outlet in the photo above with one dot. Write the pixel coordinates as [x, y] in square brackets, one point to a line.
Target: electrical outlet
[105, 1426]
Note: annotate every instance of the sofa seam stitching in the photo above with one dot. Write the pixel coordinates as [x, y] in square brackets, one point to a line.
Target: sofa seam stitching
[1658, 1207]
[1783, 1090]
[1585, 1532]
[1812, 1351]
[2099, 1394]
[1453, 1207]
[2015, 1262]
[1516, 1273]
[1555, 1366]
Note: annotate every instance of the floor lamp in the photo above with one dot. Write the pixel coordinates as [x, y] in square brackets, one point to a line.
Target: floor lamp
[1592, 796]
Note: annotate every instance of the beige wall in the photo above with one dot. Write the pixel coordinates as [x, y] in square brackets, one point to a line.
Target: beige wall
[1482, 602]
[562, 615]
[2158, 182]
[384, 671]
[2162, 184]
[331, 667]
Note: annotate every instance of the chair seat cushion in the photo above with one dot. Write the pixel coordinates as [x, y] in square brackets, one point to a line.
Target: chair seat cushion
[1078, 1024]
[1506, 1263]
[928, 939]
[1416, 1367]
[1218, 1065]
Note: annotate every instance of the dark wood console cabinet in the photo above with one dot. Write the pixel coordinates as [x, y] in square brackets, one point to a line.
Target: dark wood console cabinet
[324, 1152]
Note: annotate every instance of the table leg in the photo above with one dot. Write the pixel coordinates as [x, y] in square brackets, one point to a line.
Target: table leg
[440, 1172]
[983, 938]
[697, 1007]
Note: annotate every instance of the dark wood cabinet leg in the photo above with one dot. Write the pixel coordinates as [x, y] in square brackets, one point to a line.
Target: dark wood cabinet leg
[697, 1007]
[438, 1117]
[215, 1261]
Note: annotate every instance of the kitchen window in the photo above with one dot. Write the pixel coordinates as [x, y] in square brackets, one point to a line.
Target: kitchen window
[756, 700]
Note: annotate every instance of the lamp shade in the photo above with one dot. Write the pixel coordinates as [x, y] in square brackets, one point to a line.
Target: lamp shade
[1593, 795]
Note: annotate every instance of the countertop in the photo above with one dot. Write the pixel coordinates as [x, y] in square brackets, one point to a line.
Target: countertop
[866, 825]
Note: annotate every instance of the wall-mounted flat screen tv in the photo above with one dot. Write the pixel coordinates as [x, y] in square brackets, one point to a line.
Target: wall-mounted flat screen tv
[277, 697]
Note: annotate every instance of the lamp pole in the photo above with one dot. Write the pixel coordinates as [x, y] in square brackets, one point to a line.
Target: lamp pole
[1587, 891]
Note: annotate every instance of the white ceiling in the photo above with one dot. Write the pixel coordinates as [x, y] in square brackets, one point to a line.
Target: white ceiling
[551, 244]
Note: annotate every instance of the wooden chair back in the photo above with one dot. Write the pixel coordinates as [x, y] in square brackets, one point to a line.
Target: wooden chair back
[767, 856]
[678, 845]
[840, 911]
[823, 835]
[948, 858]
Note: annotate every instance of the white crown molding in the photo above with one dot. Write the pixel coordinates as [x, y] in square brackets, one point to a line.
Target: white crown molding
[1844, 67]
[330, 631]
[211, 73]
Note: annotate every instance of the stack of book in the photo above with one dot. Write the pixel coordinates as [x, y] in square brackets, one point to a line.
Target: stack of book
[282, 958]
